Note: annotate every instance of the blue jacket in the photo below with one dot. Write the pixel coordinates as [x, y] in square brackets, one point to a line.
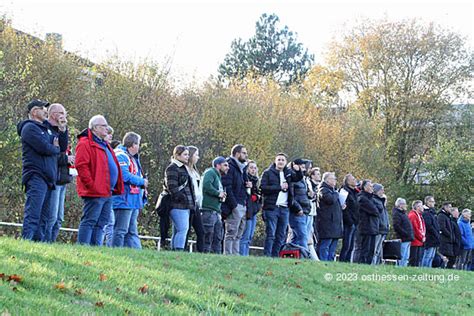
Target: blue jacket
[132, 198]
[39, 155]
[466, 233]
[234, 184]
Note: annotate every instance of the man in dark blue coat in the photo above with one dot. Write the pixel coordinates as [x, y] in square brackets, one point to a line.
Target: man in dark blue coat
[234, 209]
[329, 219]
[368, 226]
[40, 149]
[432, 241]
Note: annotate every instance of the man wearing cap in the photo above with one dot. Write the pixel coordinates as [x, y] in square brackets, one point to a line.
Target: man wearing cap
[39, 156]
[213, 196]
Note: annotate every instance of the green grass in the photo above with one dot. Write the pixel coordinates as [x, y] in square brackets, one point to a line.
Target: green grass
[183, 283]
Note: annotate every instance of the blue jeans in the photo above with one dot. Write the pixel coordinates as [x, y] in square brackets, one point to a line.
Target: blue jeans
[180, 219]
[96, 214]
[327, 249]
[248, 236]
[428, 256]
[36, 207]
[125, 231]
[109, 230]
[299, 227]
[405, 253]
[347, 243]
[57, 213]
[276, 221]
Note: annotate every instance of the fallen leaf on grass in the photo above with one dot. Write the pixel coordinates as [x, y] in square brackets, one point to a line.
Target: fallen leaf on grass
[166, 301]
[298, 286]
[118, 290]
[228, 276]
[99, 304]
[79, 292]
[269, 273]
[241, 295]
[15, 277]
[143, 289]
[88, 263]
[60, 286]
[102, 277]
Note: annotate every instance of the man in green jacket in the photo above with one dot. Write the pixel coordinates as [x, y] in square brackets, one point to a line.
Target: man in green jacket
[213, 196]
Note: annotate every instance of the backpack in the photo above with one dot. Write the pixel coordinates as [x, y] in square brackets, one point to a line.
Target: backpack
[294, 251]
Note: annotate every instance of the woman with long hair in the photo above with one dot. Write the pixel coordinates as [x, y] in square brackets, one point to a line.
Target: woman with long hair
[179, 184]
[254, 204]
[195, 219]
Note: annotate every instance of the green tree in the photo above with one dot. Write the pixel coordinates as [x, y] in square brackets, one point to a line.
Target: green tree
[272, 52]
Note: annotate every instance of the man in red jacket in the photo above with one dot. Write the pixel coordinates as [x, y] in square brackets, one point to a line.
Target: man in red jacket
[99, 176]
[419, 230]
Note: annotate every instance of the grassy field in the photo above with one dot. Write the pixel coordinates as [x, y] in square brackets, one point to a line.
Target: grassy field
[64, 279]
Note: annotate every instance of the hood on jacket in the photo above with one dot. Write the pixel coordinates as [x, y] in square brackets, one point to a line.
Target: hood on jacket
[19, 126]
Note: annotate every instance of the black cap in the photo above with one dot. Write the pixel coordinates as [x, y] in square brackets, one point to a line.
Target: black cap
[38, 103]
[300, 161]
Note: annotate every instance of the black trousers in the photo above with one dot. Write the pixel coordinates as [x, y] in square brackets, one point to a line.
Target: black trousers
[195, 221]
[416, 254]
[366, 247]
[165, 225]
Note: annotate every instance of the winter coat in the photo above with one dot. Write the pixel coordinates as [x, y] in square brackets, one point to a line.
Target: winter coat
[432, 228]
[176, 175]
[350, 215]
[402, 225]
[39, 155]
[329, 219]
[254, 203]
[419, 228]
[466, 233]
[270, 185]
[92, 166]
[63, 166]
[457, 245]
[211, 188]
[369, 215]
[446, 247]
[234, 183]
[132, 197]
[384, 224]
[301, 201]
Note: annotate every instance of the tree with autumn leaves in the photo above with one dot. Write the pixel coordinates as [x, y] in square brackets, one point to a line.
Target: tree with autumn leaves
[375, 107]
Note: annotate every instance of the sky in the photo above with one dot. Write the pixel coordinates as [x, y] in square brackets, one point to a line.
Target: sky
[193, 37]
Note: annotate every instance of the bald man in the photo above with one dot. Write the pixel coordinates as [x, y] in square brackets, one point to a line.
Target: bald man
[51, 222]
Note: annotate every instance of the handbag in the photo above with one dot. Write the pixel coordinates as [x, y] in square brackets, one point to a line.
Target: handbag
[392, 249]
[163, 204]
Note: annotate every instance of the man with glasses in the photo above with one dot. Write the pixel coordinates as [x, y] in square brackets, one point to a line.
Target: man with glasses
[432, 232]
[99, 177]
[39, 156]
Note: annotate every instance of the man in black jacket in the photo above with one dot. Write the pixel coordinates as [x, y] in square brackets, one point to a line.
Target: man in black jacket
[403, 230]
[350, 217]
[234, 209]
[457, 245]
[432, 232]
[57, 123]
[40, 165]
[276, 199]
[447, 237]
[368, 226]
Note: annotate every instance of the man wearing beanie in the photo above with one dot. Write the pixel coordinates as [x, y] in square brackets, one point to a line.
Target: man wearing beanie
[213, 195]
[380, 201]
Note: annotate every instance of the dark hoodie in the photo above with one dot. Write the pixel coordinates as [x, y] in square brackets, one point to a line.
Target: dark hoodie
[39, 155]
